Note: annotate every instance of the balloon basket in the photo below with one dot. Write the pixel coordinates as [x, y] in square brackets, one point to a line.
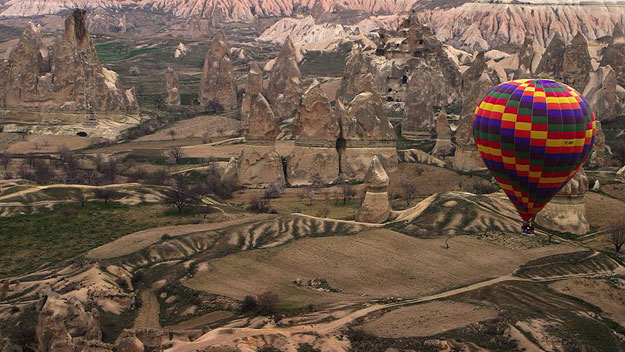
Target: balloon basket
[527, 228]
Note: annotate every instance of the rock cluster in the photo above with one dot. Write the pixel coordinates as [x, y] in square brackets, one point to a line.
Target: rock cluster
[217, 88]
[576, 63]
[601, 94]
[284, 85]
[375, 207]
[566, 212]
[173, 88]
[253, 88]
[443, 146]
[551, 63]
[614, 54]
[597, 156]
[70, 78]
[530, 56]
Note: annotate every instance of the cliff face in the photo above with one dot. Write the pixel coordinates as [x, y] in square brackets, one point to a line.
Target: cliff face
[70, 78]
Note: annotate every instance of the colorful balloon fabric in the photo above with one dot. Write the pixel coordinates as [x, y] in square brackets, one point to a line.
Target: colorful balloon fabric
[533, 135]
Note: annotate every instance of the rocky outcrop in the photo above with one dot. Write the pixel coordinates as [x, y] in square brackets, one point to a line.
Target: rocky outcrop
[467, 157]
[128, 342]
[284, 85]
[357, 79]
[551, 63]
[473, 73]
[262, 125]
[252, 89]
[316, 131]
[173, 88]
[530, 56]
[365, 122]
[181, 50]
[260, 166]
[576, 63]
[217, 88]
[421, 93]
[597, 156]
[566, 212]
[601, 94]
[375, 207]
[614, 54]
[443, 146]
[70, 79]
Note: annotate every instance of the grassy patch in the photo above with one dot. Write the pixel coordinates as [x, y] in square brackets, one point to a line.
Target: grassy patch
[28, 241]
[318, 207]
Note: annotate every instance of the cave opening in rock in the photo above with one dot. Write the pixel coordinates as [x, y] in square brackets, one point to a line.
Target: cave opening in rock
[341, 144]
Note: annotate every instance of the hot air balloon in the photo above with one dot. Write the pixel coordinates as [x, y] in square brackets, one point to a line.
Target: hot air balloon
[533, 135]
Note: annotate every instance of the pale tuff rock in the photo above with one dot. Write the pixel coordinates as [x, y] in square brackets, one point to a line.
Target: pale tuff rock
[283, 89]
[217, 88]
[365, 121]
[375, 207]
[181, 50]
[357, 79]
[551, 62]
[252, 89]
[473, 73]
[443, 146]
[316, 123]
[71, 79]
[597, 186]
[467, 157]
[601, 94]
[262, 124]
[597, 156]
[614, 54]
[128, 342]
[231, 171]
[260, 166]
[423, 90]
[304, 162]
[530, 56]
[621, 172]
[576, 63]
[172, 85]
[355, 161]
[566, 212]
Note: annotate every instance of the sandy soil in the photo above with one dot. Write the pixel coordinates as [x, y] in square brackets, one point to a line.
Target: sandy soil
[213, 126]
[377, 263]
[202, 320]
[142, 239]
[428, 319]
[610, 299]
[205, 151]
[37, 143]
[148, 313]
[602, 211]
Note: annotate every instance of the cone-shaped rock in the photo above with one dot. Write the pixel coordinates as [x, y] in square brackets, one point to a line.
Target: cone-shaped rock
[316, 123]
[443, 146]
[375, 207]
[262, 125]
[421, 92]
[551, 62]
[601, 95]
[252, 89]
[473, 73]
[576, 63]
[356, 79]
[365, 121]
[614, 54]
[283, 89]
[597, 156]
[172, 85]
[217, 88]
[529, 58]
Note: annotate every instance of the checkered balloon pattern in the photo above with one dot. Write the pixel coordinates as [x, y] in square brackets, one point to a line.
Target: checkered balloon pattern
[533, 135]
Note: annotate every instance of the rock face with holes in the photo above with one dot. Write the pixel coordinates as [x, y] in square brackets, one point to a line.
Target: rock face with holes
[217, 88]
[614, 54]
[576, 63]
[566, 212]
[375, 207]
[173, 88]
[467, 156]
[601, 94]
[69, 79]
[252, 89]
[284, 86]
[316, 130]
[443, 147]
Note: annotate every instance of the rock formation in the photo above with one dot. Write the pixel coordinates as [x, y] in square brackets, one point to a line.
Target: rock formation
[71, 79]
[365, 132]
[529, 57]
[467, 157]
[253, 88]
[601, 94]
[375, 207]
[614, 54]
[172, 85]
[262, 124]
[316, 130]
[128, 342]
[418, 118]
[217, 88]
[473, 73]
[283, 89]
[443, 146]
[181, 50]
[597, 156]
[551, 63]
[576, 63]
[357, 78]
[566, 212]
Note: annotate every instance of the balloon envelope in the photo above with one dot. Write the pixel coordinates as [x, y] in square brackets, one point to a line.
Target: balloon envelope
[533, 135]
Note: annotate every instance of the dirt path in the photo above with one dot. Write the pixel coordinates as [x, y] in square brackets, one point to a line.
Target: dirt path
[148, 313]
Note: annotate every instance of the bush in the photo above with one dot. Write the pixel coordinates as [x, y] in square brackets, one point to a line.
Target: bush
[165, 237]
[482, 188]
[274, 190]
[260, 206]
[249, 304]
[138, 277]
[267, 303]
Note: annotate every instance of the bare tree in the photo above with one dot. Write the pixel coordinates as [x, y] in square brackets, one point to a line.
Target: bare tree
[307, 193]
[42, 172]
[99, 160]
[81, 197]
[172, 134]
[110, 170]
[5, 160]
[69, 163]
[181, 194]
[409, 191]
[175, 153]
[617, 237]
[105, 194]
[347, 192]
